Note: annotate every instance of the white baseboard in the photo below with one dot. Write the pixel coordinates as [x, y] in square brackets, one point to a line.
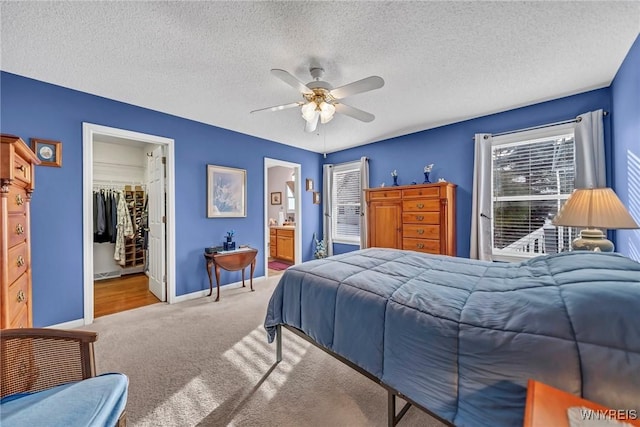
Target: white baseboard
[193, 295]
[68, 325]
[205, 292]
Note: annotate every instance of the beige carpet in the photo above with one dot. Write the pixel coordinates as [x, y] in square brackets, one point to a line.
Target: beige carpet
[201, 363]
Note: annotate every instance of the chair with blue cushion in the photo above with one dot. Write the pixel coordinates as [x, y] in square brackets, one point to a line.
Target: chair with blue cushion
[49, 378]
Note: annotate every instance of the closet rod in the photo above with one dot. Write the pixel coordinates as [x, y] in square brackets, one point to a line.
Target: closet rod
[576, 120]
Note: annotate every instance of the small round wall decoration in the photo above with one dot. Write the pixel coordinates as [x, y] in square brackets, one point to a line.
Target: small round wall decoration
[47, 151]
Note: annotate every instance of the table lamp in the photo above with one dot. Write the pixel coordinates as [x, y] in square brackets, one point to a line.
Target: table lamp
[594, 208]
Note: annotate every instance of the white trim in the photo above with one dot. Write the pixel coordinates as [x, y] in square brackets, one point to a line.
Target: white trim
[528, 136]
[89, 130]
[223, 289]
[268, 163]
[78, 323]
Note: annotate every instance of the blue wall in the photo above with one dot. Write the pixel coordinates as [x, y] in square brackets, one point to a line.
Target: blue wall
[625, 95]
[450, 148]
[30, 108]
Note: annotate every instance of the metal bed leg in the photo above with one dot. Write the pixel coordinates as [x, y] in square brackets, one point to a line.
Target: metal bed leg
[278, 343]
[391, 409]
[392, 418]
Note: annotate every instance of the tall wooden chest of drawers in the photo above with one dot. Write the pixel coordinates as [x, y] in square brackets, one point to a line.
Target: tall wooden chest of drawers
[17, 171]
[415, 217]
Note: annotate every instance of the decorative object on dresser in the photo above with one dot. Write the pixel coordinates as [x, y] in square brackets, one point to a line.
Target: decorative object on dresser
[419, 217]
[17, 173]
[226, 192]
[427, 171]
[47, 151]
[394, 175]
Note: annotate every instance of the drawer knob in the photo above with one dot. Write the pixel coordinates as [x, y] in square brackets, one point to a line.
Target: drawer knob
[420, 205]
[19, 199]
[21, 168]
[21, 296]
[20, 261]
[419, 217]
[421, 231]
[19, 229]
[420, 245]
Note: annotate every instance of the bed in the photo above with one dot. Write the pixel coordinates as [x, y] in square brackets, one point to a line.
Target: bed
[459, 338]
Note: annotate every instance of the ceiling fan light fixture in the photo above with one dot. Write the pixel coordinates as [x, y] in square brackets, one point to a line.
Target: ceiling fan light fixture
[326, 112]
[309, 111]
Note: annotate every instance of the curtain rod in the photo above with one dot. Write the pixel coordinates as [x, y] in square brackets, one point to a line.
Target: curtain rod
[576, 120]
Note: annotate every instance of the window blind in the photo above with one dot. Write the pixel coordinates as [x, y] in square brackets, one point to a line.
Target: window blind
[531, 180]
[346, 202]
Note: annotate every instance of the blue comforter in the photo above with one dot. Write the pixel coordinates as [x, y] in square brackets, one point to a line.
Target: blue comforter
[461, 337]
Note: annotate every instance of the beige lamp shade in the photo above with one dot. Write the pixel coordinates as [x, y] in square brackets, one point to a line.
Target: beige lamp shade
[595, 208]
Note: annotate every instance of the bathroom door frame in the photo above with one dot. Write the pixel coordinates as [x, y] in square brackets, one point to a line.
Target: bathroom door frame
[297, 171]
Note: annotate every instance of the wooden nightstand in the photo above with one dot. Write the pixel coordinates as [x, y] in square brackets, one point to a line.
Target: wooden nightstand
[547, 406]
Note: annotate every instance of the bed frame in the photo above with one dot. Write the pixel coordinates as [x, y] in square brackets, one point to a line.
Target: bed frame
[392, 417]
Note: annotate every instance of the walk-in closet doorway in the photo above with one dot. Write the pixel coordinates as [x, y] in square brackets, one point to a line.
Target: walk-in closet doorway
[128, 180]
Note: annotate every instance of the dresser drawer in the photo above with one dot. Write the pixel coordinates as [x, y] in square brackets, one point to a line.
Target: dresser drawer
[421, 245]
[421, 231]
[421, 205]
[17, 200]
[22, 169]
[421, 218]
[384, 195]
[18, 296]
[430, 192]
[17, 229]
[272, 231]
[17, 261]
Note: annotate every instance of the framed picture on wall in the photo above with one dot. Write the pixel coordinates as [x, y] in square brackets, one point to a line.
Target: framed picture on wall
[48, 152]
[226, 192]
[316, 197]
[309, 184]
[276, 198]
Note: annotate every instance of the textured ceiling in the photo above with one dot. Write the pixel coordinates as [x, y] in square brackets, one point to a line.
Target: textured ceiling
[209, 61]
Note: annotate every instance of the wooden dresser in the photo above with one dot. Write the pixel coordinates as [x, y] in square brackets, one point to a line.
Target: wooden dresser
[415, 217]
[17, 171]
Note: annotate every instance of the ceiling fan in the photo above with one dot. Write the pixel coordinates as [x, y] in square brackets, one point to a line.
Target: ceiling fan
[321, 100]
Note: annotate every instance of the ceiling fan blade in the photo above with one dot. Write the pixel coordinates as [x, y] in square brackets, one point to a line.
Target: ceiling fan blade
[278, 107]
[354, 112]
[364, 85]
[289, 79]
[313, 124]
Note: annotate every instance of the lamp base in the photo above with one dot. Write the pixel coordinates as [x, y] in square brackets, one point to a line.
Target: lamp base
[592, 240]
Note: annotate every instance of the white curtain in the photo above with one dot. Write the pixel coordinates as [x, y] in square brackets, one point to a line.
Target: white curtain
[481, 201]
[327, 206]
[589, 140]
[364, 183]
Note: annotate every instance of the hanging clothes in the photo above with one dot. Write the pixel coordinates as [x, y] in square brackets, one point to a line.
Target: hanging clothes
[114, 215]
[101, 233]
[124, 229]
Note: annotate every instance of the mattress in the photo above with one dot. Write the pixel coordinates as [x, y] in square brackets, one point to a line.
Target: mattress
[461, 337]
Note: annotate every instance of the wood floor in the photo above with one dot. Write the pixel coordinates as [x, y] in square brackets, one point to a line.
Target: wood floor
[122, 293]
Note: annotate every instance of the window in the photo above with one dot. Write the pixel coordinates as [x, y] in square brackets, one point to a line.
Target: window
[291, 197]
[533, 175]
[345, 198]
